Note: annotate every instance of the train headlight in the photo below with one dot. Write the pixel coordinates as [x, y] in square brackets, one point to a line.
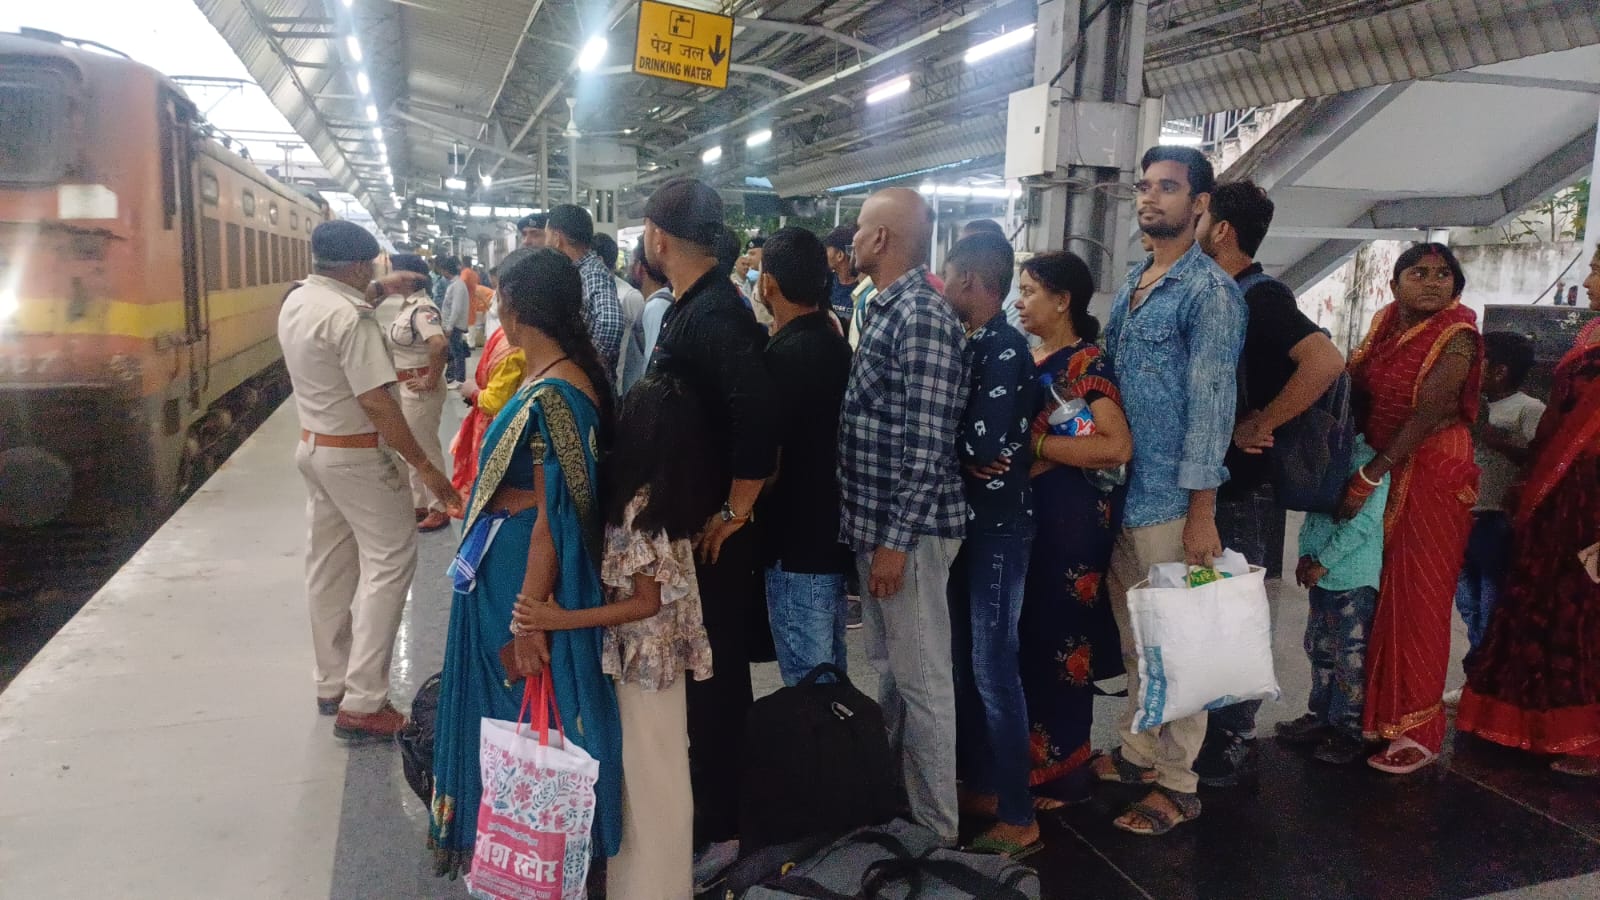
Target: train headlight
[10, 302]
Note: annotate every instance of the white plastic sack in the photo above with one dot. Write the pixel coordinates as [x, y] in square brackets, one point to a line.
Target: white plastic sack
[1201, 648]
[538, 805]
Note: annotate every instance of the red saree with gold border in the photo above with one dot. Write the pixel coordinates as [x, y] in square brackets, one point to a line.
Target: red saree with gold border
[1426, 523]
[1535, 681]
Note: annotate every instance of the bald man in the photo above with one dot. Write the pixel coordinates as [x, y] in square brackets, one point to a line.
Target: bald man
[904, 510]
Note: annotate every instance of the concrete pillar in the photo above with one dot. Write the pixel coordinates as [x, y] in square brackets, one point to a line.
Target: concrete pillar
[1591, 234]
[1097, 126]
[544, 167]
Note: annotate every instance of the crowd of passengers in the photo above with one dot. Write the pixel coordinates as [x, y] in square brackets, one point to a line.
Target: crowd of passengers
[825, 418]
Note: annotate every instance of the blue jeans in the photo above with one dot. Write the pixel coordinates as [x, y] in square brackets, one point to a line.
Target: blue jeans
[456, 369]
[1336, 643]
[1488, 557]
[807, 613]
[986, 586]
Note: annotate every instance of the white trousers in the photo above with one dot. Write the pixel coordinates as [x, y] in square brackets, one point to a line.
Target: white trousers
[423, 413]
[656, 861]
[361, 554]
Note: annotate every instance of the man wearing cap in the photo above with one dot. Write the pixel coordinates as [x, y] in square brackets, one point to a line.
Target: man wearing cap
[842, 274]
[709, 336]
[361, 552]
[531, 228]
[418, 347]
[570, 229]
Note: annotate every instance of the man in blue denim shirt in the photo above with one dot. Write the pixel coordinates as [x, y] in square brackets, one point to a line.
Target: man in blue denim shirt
[1177, 327]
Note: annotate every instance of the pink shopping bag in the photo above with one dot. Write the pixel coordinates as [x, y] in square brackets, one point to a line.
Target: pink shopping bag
[537, 808]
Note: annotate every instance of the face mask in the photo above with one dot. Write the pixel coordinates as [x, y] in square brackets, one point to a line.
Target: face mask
[753, 275]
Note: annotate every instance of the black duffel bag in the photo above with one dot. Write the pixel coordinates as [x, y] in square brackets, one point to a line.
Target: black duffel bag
[415, 739]
[816, 762]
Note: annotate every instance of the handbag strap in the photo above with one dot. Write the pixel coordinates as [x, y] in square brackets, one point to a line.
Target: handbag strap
[822, 669]
[535, 710]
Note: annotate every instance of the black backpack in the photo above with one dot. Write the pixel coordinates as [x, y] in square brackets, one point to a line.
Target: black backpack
[415, 739]
[816, 762]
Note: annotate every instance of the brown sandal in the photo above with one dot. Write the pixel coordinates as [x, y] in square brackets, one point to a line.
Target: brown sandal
[1161, 821]
[1124, 772]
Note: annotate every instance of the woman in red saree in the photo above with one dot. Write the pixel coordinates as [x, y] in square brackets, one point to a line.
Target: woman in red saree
[1417, 378]
[1535, 681]
[499, 374]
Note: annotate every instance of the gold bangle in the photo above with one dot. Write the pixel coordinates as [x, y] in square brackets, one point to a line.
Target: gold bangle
[1038, 446]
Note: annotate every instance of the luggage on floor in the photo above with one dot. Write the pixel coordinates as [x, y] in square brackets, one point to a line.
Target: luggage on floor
[1202, 647]
[897, 861]
[538, 806]
[817, 763]
[415, 740]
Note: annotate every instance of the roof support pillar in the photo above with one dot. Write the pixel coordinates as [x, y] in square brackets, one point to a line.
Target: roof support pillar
[1088, 59]
[1591, 232]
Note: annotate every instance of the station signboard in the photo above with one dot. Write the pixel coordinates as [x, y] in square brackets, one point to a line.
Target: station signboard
[682, 44]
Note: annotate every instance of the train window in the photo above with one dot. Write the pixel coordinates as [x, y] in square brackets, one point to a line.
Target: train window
[211, 238]
[37, 105]
[272, 214]
[235, 267]
[250, 257]
[248, 205]
[210, 191]
[264, 257]
[294, 220]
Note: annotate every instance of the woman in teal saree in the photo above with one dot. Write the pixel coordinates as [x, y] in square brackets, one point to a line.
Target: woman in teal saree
[532, 528]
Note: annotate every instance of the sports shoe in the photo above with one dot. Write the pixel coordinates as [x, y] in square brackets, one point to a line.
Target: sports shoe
[852, 613]
[380, 725]
[329, 706]
[1307, 730]
[1226, 763]
[435, 521]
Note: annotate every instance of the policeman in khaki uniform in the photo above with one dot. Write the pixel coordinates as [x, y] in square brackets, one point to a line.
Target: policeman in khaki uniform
[362, 551]
[419, 348]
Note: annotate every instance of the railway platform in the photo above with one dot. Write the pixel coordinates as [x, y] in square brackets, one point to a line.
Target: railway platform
[164, 745]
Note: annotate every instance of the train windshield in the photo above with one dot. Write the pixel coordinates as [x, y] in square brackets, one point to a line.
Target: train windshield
[34, 108]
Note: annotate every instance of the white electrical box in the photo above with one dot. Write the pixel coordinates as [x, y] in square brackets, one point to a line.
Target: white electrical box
[1033, 128]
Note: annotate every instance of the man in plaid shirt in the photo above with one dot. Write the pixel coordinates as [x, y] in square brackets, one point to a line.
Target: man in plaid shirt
[904, 511]
[570, 229]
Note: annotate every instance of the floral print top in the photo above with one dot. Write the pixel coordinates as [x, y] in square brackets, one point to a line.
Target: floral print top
[651, 653]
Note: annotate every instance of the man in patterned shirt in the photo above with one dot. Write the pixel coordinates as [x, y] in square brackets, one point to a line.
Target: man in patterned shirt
[570, 229]
[903, 508]
[987, 579]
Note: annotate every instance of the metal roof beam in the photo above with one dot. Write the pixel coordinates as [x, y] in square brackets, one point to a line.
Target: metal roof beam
[1546, 175]
[1520, 81]
[813, 30]
[472, 142]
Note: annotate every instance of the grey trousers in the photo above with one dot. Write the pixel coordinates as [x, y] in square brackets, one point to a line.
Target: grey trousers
[908, 644]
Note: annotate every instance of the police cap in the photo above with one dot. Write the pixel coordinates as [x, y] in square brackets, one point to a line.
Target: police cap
[343, 241]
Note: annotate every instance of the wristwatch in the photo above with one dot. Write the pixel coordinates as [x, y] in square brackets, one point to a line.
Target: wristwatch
[729, 516]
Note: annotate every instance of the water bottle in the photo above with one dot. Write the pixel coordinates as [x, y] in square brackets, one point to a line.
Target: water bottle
[1070, 418]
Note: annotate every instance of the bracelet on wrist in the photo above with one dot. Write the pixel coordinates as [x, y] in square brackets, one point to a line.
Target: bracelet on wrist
[1038, 446]
[1362, 471]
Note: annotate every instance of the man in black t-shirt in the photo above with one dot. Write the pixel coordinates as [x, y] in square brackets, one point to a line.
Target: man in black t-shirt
[799, 514]
[1287, 364]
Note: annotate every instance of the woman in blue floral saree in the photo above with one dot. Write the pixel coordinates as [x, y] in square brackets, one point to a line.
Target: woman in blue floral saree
[532, 528]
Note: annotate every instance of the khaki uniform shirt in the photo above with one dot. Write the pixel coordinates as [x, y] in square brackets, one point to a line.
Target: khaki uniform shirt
[335, 352]
[416, 322]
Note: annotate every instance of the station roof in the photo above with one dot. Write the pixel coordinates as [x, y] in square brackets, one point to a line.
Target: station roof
[470, 85]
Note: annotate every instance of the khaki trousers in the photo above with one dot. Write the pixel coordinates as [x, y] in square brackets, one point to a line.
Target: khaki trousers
[423, 413]
[657, 856]
[361, 554]
[1170, 749]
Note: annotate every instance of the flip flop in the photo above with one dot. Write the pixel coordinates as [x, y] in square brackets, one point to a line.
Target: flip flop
[1380, 762]
[1011, 850]
[1126, 772]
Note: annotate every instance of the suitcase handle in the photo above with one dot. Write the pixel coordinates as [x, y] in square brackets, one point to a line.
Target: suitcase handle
[822, 669]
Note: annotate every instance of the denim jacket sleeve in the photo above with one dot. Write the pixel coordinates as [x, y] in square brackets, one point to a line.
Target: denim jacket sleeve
[1216, 318]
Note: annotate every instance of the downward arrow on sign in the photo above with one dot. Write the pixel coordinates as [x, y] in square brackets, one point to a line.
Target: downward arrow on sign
[717, 53]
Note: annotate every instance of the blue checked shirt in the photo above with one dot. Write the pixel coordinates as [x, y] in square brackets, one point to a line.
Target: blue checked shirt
[1178, 358]
[602, 310]
[898, 475]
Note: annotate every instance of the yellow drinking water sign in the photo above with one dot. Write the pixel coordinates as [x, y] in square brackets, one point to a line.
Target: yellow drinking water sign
[683, 44]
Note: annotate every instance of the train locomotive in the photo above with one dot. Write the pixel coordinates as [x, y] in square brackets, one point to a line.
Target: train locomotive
[142, 265]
